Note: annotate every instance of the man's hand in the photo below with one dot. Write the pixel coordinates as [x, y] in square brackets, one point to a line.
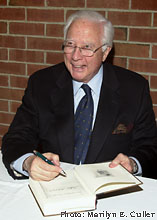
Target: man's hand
[125, 161]
[40, 170]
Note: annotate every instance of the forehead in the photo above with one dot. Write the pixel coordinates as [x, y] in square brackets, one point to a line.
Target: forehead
[85, 31]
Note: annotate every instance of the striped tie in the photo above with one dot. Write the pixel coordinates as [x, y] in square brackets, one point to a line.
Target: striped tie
[83, 125]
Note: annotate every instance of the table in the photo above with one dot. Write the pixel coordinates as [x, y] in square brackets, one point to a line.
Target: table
[17, 202]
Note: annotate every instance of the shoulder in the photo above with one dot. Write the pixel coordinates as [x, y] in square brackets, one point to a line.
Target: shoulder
[48, 77]
[51, 71]
[124, 76]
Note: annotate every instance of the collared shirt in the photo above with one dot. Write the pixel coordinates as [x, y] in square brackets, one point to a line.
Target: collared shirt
[95, 85]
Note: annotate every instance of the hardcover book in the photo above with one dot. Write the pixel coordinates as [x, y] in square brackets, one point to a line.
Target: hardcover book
[78, 191]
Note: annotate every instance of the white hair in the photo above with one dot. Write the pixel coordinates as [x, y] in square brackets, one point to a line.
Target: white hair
[108, 35]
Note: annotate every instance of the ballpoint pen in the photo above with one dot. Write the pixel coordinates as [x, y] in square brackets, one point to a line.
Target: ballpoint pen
[47, 161]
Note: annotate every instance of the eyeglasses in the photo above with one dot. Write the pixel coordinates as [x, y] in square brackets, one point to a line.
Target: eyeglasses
[69, 47]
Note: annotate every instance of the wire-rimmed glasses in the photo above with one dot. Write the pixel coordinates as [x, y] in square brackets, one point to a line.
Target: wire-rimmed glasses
[69, 47]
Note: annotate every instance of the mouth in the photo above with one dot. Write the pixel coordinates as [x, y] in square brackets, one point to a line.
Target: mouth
[78, 68]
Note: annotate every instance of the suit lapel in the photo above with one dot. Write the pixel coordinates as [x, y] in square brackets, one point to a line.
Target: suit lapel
[106, 113]
[62, 102]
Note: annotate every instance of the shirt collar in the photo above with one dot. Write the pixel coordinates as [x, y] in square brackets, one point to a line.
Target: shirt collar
[94, 83]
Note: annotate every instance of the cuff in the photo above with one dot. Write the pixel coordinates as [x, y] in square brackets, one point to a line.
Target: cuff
[17, 165]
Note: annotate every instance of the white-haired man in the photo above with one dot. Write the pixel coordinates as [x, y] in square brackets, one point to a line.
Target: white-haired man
[122, 125]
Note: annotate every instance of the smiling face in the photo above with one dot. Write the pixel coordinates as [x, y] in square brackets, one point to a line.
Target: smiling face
[85, 32]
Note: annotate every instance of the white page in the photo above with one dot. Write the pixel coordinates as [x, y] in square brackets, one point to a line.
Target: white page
[62, 187]
[96, 175]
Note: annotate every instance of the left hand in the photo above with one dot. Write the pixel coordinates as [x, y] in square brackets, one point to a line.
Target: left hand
[124, 160]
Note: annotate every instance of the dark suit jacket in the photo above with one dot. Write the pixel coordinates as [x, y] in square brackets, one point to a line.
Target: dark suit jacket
[124, 123]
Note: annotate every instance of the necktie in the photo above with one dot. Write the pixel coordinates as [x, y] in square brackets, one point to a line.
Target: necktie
[83, 125]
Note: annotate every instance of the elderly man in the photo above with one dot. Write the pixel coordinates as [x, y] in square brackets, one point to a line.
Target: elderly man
[83, 110]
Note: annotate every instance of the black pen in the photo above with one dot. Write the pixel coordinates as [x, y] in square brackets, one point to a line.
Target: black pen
[47, 161]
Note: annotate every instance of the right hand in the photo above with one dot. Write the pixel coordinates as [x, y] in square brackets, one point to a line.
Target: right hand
[40, 170]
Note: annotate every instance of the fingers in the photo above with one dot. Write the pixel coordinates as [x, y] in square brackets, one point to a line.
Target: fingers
[123, 160]
[40, 170]
[52, 157]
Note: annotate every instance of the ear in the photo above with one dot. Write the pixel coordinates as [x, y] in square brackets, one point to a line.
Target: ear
[105, 53]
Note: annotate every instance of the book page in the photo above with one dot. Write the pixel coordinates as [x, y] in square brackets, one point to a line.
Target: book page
[62, 187]
[100, 177]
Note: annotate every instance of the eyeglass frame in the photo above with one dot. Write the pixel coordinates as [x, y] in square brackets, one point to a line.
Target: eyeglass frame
[94, 51]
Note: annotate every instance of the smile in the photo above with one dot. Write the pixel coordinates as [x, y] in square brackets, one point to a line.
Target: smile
[78, 67]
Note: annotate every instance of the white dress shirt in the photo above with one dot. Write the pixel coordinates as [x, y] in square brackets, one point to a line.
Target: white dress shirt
[95, 85]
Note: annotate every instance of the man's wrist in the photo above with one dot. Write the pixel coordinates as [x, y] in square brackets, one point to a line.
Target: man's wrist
[27, 163]
[134, 166]
[24, 165]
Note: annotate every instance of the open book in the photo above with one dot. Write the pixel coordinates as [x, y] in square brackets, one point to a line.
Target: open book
[77, 192]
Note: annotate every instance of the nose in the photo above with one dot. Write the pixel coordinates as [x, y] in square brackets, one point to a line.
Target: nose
[77, 55]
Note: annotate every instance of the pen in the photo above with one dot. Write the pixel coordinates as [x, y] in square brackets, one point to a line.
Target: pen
[47, 161]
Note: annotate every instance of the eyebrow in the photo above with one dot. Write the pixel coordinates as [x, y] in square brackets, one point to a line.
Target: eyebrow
[82, 43]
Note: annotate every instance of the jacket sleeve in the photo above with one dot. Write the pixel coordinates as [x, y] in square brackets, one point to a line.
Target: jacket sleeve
[144, 142]
[22, 134]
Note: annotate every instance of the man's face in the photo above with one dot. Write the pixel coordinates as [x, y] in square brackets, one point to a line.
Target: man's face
[85, 33]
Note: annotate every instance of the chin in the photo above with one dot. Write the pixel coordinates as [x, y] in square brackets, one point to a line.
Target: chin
[78, 77]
